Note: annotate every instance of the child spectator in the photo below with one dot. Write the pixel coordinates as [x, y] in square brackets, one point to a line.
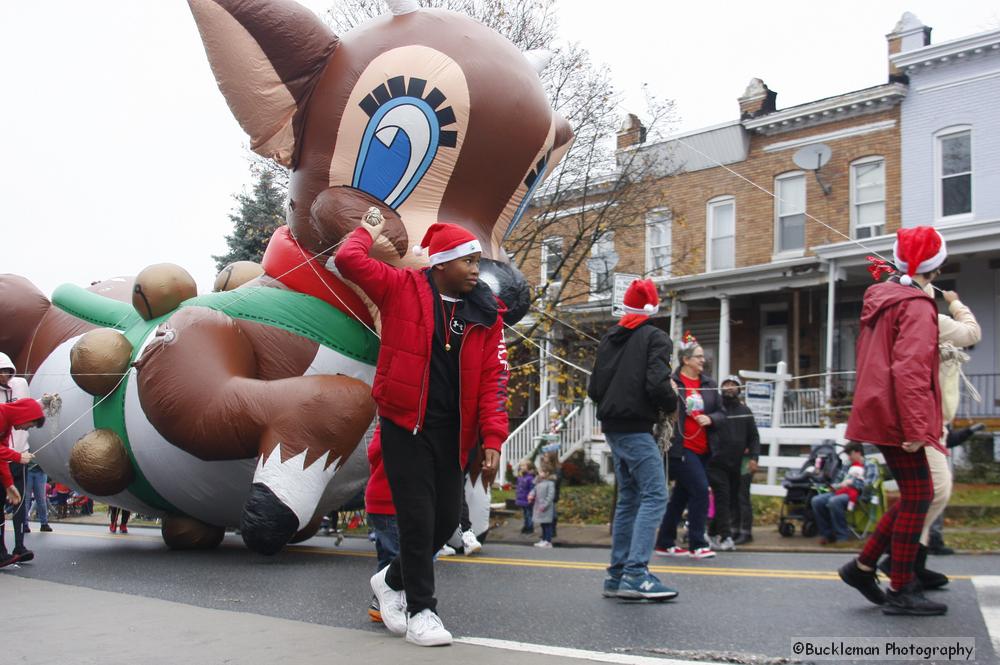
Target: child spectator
[544, 498]
[525, 483]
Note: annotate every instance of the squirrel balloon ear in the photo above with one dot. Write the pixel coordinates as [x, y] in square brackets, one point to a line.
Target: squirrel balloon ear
[267, 56]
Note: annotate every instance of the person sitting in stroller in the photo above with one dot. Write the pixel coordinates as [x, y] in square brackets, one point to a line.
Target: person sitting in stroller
[830, 508]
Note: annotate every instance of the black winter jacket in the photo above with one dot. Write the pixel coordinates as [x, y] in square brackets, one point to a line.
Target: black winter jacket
[736, 433]
[713, 409]
[631, 379]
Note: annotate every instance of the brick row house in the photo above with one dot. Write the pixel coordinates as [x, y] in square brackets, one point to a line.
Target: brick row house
[759, 258]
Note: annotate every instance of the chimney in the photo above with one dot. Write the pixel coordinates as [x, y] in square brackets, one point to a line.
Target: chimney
[908, 35]
[757, 100]
[631, 133]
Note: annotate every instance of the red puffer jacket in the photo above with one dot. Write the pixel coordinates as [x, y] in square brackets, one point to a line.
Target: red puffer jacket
[406, 302]
[897, 397]
[18, 412]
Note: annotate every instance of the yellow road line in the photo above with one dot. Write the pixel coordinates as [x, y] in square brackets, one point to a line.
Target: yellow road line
[707, 571]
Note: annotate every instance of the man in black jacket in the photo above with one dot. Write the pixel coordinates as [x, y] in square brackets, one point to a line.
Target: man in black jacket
[631, 385]
[737, 433]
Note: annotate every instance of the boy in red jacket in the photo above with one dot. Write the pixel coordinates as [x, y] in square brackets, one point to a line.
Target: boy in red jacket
[897, 407]
[440, 386]
[20, 414]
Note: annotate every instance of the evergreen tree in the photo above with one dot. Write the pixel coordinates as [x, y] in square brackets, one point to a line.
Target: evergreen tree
[258, 215]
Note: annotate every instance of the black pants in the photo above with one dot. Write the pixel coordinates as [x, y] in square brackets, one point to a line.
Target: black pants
[425, 478]
[20, 516]
[114, 512]
[725, 482]
[742, 511]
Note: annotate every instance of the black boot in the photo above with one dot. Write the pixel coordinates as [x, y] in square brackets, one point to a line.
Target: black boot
[910, 601]
[929, 579]
[864, 581]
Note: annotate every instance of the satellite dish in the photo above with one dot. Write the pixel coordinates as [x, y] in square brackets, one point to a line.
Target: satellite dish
[812, 157]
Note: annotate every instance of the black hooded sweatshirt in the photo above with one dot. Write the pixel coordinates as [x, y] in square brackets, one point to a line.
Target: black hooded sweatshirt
[631, 378]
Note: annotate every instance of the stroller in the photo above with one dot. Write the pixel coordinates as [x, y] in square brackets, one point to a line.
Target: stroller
[818, 471]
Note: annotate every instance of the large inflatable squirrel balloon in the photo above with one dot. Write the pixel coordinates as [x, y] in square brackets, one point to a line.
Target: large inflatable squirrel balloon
[245, 407]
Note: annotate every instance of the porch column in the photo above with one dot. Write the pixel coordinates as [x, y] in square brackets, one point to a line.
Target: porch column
[831, 295]
[676, 321]
[723, 337]
[543, 371]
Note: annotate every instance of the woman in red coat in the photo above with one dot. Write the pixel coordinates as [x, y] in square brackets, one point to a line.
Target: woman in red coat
[897, 407]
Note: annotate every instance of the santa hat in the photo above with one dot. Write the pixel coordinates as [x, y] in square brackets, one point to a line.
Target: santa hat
[641, 298]
[918, 250]
[447, 242]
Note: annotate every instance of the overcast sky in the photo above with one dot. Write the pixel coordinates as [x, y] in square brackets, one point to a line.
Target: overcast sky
[121, 152]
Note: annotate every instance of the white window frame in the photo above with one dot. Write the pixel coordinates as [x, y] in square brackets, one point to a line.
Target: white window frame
[710, 207]
[545, 258]
[789, 253]
[940, 135]
[607, 236]
[653, 217]
[871, 159]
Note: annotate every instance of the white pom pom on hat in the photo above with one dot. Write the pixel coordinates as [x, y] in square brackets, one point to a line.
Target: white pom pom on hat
[418, 250]
[906, 280]
[650, 308]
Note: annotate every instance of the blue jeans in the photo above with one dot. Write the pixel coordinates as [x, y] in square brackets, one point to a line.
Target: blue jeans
[529, 524]
[547, 531]
[386, 538]
[831, 515]
[690, 491]
[35, 492]
[642, 498]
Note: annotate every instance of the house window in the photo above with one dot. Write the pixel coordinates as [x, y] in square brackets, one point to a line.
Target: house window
[954, 164]
[658, 236]
[552, 258]
[868, 197]
[773, 336]
[603, 260]
[721, 234]
[790, 213]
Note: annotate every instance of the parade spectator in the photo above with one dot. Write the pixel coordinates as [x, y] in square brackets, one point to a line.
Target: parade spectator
[16, 416]
[543, 498]
[830, 508]
[699, 415]
[114, 513]
[897, 407]
[631, 386]
[381, 516]
[440, 387]
[525, 483]
[34, 496]
[736, 433]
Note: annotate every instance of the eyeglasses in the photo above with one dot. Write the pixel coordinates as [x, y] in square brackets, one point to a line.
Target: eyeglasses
[698, 357]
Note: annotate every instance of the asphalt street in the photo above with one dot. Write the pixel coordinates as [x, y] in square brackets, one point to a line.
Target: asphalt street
[742, 605]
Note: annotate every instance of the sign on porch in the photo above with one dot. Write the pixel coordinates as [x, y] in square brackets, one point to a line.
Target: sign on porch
[760, 399]
[622, 280]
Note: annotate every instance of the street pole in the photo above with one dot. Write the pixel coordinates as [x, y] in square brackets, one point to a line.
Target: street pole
[723, 337]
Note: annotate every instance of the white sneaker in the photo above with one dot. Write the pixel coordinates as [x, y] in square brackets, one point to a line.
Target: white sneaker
[469, 543]
[446, 550]
[726, 545]
[702, 553]
[544, 544]
[425, 629]
[391, 603]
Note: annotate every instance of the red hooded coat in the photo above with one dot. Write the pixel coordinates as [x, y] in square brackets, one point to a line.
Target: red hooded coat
[406, 302]
[897, 397]
[18, 412]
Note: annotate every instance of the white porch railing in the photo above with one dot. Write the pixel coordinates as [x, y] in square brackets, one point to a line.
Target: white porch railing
[803, 407]
[577, 428]
[523, 440]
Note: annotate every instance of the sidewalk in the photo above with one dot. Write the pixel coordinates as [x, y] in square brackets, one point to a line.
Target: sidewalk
[766, 538]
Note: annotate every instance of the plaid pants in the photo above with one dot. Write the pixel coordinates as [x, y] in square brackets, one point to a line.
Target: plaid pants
[901, 525]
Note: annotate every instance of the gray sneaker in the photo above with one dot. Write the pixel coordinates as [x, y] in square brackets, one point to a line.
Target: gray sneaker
[725, 545]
